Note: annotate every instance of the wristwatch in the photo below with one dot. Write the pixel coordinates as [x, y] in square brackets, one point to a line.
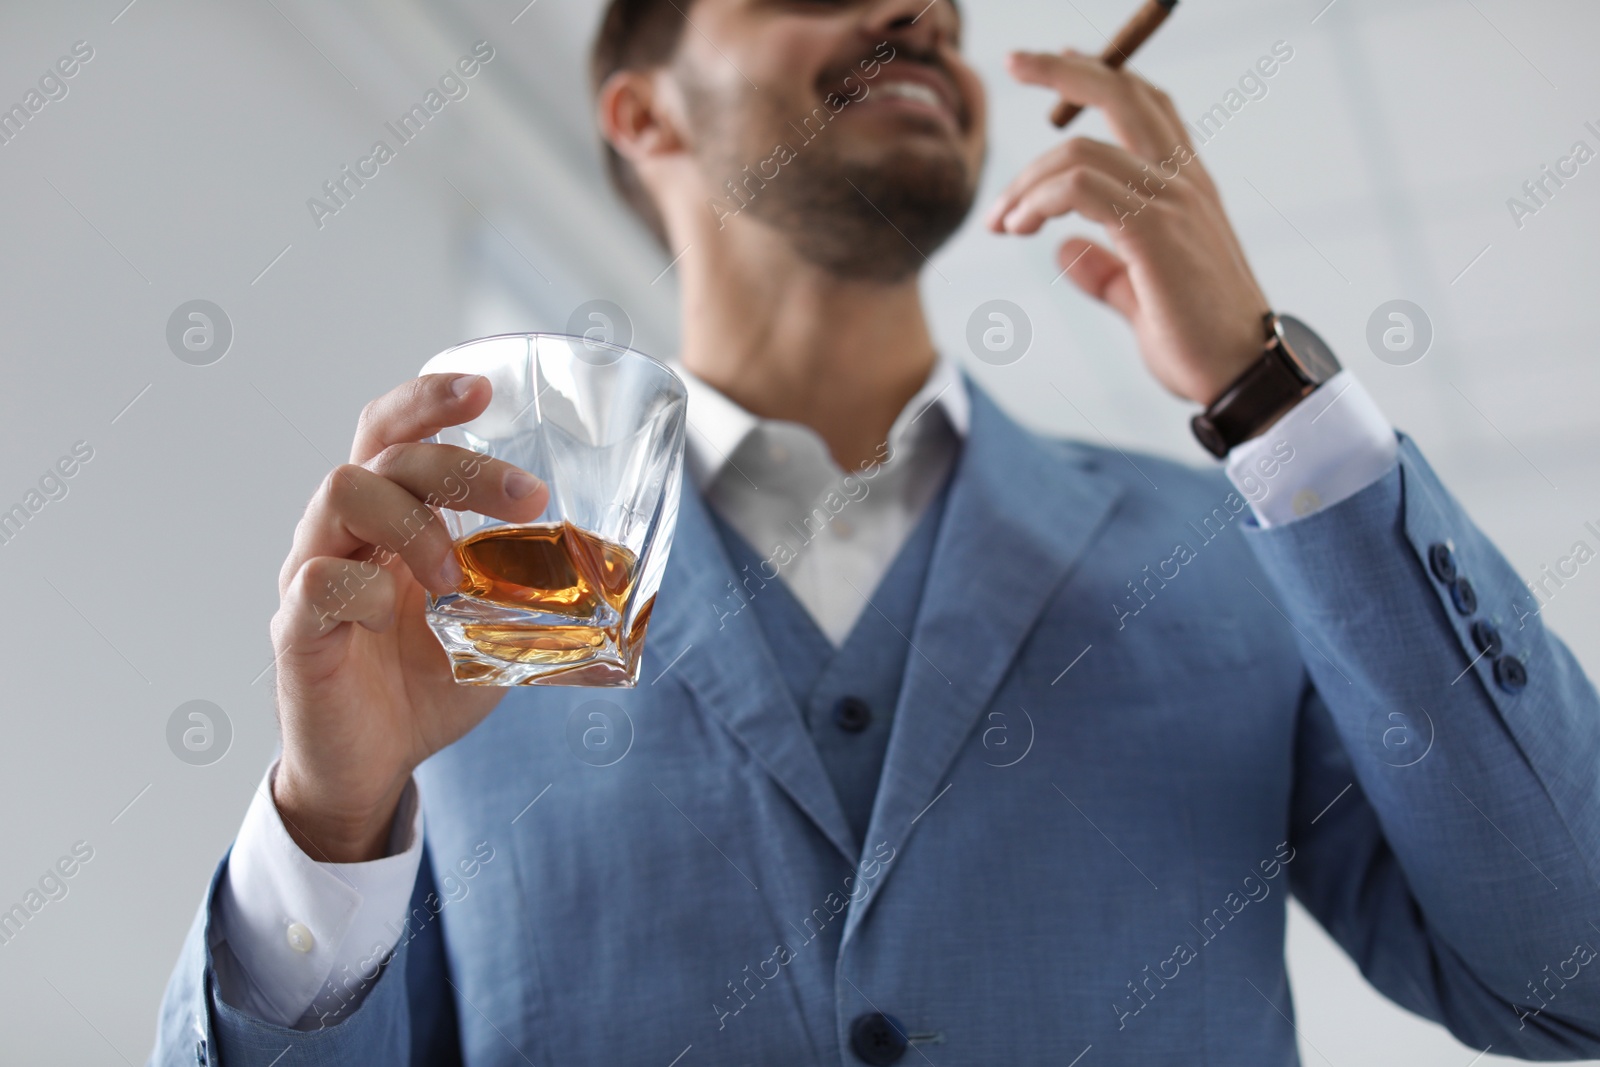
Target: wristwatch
[1294, 362]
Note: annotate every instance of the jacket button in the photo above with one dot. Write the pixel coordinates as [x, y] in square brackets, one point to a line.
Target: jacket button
[878, 1039]
[1443, 562]
[1464, 595]
[1487, 638]
[852, 715]
[1510, 674]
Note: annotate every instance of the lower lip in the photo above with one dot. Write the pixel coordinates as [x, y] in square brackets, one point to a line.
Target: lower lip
[912, 106]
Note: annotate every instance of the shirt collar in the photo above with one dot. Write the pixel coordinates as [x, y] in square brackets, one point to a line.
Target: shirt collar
[718, 425]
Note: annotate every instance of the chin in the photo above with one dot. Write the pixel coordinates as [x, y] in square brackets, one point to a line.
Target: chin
[934, 178]
[879, 219]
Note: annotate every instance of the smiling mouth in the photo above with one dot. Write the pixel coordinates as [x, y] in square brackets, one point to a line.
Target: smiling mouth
[921, 97]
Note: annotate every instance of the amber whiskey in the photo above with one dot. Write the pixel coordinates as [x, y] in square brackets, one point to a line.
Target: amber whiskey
[549, 569]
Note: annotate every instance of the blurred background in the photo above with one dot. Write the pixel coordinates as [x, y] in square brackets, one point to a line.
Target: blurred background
[175, 165]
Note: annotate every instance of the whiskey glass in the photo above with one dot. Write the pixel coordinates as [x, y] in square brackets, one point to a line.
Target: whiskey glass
[566, 599]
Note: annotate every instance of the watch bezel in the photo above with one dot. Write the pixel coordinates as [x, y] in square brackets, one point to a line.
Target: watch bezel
[1303, 350]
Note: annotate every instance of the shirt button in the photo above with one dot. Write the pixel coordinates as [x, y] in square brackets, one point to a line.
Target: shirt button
[1305, 502]
[1465, 597]
[1442, 561]
[852, 715]
[842, 528]
[878, 1039]
[300, 938]
[200, 1052]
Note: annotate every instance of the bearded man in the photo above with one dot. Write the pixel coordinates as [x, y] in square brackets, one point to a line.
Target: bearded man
[1014, 759]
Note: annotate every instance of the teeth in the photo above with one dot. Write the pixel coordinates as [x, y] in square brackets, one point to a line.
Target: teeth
[913, 91]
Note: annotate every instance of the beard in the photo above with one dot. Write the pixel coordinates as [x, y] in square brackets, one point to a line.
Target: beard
[875, 219]
[878, 221]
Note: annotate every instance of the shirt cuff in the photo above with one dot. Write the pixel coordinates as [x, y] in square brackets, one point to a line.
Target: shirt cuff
[309, 937]
[1330, 446]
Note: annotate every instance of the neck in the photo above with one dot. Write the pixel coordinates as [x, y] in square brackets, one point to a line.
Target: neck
[785, 339]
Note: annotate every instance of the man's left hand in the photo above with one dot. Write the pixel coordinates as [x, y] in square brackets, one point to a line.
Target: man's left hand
[1177, 272]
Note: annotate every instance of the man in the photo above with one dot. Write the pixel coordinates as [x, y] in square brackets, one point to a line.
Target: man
[1015, 757]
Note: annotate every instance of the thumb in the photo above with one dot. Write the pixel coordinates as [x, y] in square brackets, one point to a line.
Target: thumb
[1100, 273]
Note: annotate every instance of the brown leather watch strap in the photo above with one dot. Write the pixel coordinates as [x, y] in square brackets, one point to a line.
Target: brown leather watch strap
[1268, 388]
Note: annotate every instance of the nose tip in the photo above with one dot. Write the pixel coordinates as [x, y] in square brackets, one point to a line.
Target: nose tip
[907, 18]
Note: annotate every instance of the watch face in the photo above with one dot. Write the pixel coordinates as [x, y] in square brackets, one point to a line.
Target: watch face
[1308, 351]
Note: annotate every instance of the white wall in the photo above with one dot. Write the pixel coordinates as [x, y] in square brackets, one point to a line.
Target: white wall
[178, 167]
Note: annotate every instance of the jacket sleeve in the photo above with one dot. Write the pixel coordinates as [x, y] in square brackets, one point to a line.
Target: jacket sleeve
[1447, 799]
[407, 1015]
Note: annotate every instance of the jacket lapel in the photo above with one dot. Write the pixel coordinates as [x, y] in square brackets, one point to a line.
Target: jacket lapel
[701, 639]
[1021, 511]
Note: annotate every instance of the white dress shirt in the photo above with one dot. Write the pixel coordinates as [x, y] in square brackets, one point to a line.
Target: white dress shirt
[830, 533]
[297, 941]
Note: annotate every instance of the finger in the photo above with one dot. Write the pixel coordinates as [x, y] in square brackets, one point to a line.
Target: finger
[446, 476]
[1132, 105]
[327, 591]
[1183, 154]
[356, 510]
[1079, 151]
[417, 409]
[1094, 194]
[1100, 273]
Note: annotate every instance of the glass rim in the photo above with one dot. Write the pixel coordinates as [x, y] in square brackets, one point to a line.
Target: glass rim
[626, 350]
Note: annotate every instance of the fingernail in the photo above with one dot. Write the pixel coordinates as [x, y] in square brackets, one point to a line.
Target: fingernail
[462, 384]
[451, 571]
[520, 484]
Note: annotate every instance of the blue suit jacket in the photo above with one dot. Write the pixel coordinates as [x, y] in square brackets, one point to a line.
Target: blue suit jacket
[1130, 725]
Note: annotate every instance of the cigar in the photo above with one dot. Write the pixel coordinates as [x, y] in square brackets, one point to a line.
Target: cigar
[1123, 45]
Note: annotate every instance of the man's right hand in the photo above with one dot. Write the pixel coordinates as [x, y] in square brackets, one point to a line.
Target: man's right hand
[365, 691]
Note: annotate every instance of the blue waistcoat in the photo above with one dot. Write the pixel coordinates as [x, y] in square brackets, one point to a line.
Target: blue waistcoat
[846, 695]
